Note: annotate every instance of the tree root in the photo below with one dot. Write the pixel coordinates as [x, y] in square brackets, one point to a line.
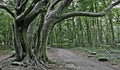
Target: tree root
[37, 63]
[11, 56]
[6, 61]
[19, 64]
[31, 62]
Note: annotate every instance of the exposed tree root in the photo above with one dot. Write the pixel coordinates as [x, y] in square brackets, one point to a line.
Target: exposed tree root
[31, 63]
[6, 61]
[11, 56]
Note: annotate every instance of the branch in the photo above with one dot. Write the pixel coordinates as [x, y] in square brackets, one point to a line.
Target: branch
[53, 3]
[33, 14]
[17, 3]
[23, 4]
[7, 9]
[60, 6]
[89, 14]
[35, 10]
[27, 11]
[63, 5]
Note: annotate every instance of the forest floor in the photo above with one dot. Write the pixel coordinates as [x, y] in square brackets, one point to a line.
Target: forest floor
[74, 61]
[69, 60]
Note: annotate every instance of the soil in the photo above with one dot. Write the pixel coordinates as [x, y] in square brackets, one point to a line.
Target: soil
[73, 61]
[63, 59]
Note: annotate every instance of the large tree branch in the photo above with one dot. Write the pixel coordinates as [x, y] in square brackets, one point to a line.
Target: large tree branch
[27, 11]
[53, 3]
[17, 3]
[33, 14]
[5, 7]
[89, 14]
[60, 6]
[23, 4]
[35, 10]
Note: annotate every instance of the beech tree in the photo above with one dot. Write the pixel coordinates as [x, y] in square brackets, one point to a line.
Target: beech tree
[30, 43]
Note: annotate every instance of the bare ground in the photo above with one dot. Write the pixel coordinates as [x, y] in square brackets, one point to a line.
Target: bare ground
[78, 62]
[66, 60]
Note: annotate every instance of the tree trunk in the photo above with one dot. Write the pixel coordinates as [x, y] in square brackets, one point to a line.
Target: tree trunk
[112, 31]
[16, 42]
[23, 38]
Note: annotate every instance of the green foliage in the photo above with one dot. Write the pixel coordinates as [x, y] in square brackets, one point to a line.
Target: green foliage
[5, 28]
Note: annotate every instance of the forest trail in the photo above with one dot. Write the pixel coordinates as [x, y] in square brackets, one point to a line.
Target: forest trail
[78, 62]
[67, 60]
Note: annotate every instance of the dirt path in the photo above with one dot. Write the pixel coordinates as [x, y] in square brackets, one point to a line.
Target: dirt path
[67, 60]
[77, 62]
